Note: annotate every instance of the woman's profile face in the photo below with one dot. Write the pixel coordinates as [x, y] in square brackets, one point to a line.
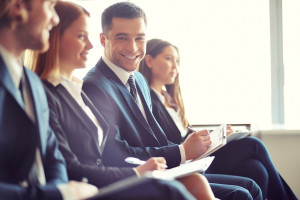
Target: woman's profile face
[75, 44]
[165, 66]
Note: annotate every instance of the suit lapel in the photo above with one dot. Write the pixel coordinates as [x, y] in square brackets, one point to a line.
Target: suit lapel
[78, 111]
[98, 115]
[37, 109]
[8, 83]
[126, 95]
[156, 129]
[163, 114]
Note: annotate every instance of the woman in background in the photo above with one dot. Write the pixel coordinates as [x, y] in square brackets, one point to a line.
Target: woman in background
[246, 157]
[80, 128]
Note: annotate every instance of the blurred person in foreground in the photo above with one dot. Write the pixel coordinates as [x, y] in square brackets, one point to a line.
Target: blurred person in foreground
[31, 166]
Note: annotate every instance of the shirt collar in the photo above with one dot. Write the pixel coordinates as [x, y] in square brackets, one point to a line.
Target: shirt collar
[120, 72]
[14, 67]
[159, 95]
[165, 96]
[60, 79]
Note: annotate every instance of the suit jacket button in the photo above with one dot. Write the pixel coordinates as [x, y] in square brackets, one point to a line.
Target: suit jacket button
[98, 161]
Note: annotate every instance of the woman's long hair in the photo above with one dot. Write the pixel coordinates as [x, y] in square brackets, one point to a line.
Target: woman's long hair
[154, 48]
[47, 64]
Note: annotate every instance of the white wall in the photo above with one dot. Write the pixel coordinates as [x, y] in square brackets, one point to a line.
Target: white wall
[284, 148]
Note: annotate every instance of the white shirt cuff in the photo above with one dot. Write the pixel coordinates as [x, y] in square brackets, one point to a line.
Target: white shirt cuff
[136, 172]
[182, 153]
[66, 192]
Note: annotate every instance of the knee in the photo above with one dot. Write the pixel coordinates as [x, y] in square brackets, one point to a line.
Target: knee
[173, 190]
[255, 141]
[242, 193]
[251, 187]
[257, 172]
[255, 190]
[257, 144]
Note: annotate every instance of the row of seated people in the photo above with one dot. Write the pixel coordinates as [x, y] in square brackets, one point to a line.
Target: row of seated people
[112, 119]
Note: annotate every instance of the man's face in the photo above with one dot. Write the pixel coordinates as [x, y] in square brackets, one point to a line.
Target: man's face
[125, 43]
[34, 33]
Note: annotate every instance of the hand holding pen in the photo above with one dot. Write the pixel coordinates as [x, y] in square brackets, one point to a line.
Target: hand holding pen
[155, 163]
[196, 143]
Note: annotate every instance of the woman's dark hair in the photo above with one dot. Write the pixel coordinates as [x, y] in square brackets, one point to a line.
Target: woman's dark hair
[155, 47]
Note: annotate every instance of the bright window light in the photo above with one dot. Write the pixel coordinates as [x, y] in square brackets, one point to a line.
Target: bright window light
[291, 55]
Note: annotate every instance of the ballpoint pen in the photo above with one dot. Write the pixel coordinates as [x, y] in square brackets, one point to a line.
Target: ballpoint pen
[136, 161]
[193, 130]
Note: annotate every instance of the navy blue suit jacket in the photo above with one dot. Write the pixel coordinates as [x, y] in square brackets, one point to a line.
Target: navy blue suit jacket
[78, 138]
[141, 138]
[165, 120]
[19, 138]
[78, 142]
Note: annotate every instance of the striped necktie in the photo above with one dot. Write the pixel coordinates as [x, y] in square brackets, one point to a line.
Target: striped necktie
[133, 90]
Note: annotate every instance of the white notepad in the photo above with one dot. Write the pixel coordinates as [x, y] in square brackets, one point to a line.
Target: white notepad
[237, 135]
[185, 169]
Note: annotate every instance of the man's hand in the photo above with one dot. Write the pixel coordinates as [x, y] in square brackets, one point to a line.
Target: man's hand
[196, 144]
[155, 163]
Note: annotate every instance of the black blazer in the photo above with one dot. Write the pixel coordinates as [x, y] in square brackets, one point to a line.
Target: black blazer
[19, 138]
[165, 120]
[78, 139]
[140, 137]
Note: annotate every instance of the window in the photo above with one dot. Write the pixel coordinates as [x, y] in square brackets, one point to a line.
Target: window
[291, 53]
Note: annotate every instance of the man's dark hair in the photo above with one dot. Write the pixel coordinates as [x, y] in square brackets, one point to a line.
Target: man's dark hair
[5, 6]
[121, 10]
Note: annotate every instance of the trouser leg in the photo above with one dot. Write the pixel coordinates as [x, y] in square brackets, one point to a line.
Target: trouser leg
[233, 187]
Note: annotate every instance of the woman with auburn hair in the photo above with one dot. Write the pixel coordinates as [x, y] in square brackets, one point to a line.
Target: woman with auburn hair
[246, 157]
[80, 128]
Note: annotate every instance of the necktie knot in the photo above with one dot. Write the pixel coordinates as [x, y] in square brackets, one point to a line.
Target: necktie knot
[132, 86]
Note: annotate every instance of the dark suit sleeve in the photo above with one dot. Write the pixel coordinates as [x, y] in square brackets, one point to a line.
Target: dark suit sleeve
[98, 175]
[110, 110]
[55, 169]
[17, 192]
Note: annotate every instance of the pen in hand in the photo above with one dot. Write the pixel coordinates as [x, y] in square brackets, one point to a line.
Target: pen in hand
[136, 161]
[191, 129]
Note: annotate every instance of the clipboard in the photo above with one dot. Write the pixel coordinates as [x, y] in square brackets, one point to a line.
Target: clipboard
[237, 135]
[218, 139]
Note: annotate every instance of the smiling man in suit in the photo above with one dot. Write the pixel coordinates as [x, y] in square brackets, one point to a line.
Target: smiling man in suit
[31, 167]
[122, 95]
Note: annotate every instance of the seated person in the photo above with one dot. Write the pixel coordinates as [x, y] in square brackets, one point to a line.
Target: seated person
[81, 131]
[244, 157]
[126, 103]
[31, 166]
